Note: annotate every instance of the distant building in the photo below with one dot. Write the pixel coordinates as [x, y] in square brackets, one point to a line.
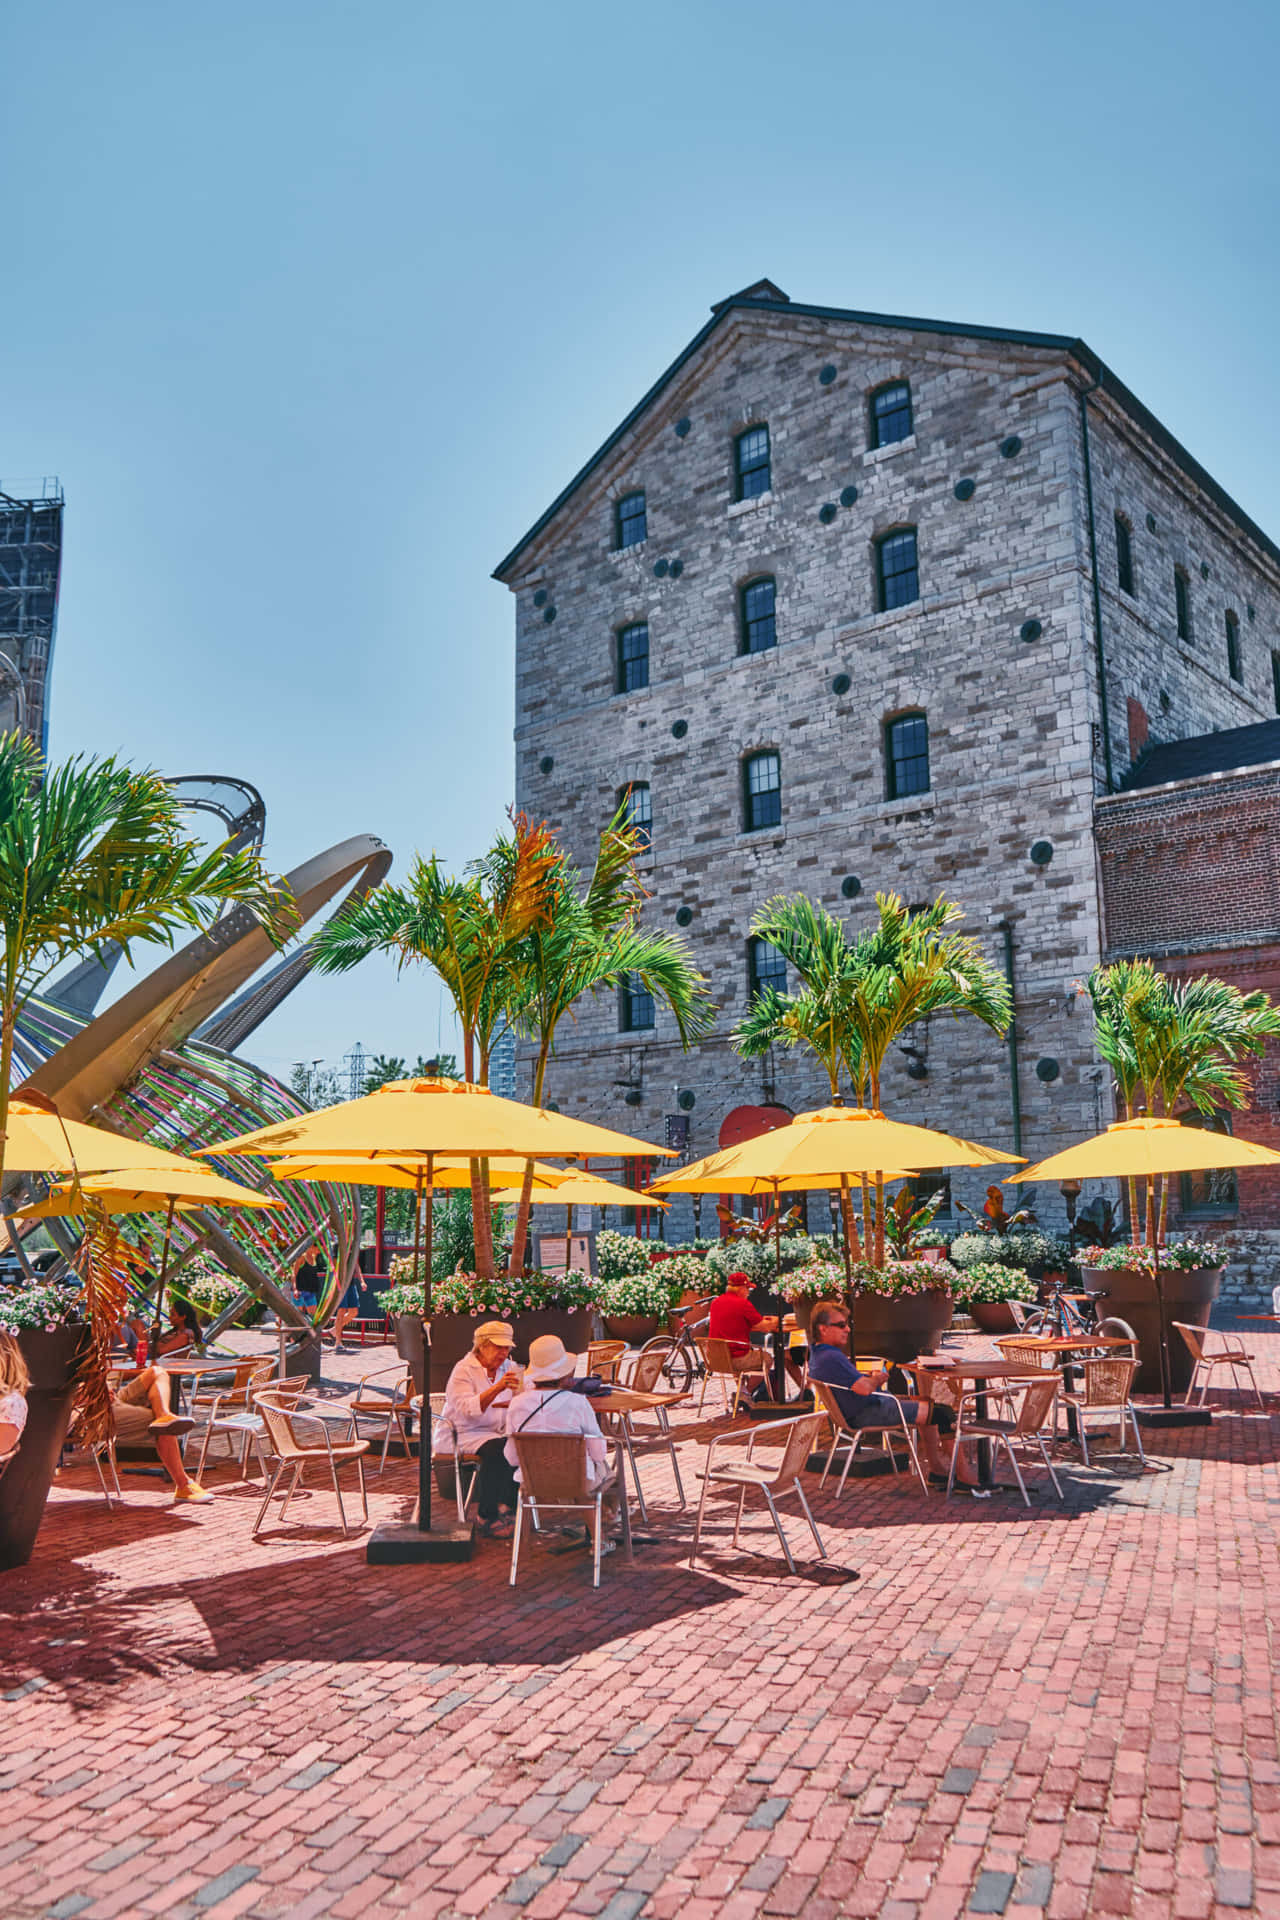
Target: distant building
[502, 1064]
[30, 567]
[853, 603]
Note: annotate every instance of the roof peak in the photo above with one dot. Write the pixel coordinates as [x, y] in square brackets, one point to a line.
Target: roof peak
[759, 290]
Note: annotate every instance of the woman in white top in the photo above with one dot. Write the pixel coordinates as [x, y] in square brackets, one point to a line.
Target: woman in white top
[14, 1381]
[475, 1419]
[549, 1405]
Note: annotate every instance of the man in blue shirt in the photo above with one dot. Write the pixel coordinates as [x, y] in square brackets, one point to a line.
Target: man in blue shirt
[863, 1404]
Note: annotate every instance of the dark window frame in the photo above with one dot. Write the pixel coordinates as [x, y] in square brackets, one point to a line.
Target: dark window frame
[1182, 603]
[644, 826]
[1235, 658]
[1219, 1121]
[896, 763]
[623, 662]
[746, 470]
[888, 598]
[747, 621]
[761, 800]
[878, 419]
[759, 977]
[620, 520]
[1124, 556]
[636, 1010]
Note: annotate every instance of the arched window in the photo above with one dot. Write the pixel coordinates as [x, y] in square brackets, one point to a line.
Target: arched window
[1124, 555]
[631, 524]
[633, 657]
[906, 756]
[761, 791]
[751, 463]
[1235, 666]
[758, 624]
[766, 967]
[1182, 603]
[635, 1005]
[890, 410]
[639, 813]
[897, 569]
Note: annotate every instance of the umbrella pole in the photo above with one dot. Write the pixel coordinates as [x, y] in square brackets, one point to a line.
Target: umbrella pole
[164, 1268]
[845, 1207]
[424, 1429]
[1154, 1249]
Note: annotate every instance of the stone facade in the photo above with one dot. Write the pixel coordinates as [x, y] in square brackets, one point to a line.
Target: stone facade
[999, 652]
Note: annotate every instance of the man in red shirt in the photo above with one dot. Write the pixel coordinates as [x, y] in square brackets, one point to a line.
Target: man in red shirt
[733, 1319]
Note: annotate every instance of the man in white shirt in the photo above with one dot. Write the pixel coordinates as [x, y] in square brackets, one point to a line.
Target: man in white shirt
[548, 1404]
[475, 1421]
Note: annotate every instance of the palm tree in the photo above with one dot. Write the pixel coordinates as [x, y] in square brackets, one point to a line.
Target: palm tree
[905, 968]
[93, 852]
[382, 1068]
[467, 930]
[589, 943]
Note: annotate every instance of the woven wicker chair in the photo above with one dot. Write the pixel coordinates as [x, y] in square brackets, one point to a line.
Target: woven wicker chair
[723, 1365]
[1025, 1410]
[284, 1415]
[553, 1478]
[462, 1495]
[1107, 1386]
[230, 1413]
[604, 1357]
[98, 1450]
[801, 1438]
[646, 1377]
[849, 1436]
[1227, 1353]
[387, 1408]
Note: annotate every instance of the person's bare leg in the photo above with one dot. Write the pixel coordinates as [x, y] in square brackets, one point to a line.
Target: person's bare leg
[156, 1382]
[938, 1451]
[171, 1459]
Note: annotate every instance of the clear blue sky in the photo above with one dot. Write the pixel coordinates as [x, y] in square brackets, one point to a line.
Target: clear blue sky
[314, 307]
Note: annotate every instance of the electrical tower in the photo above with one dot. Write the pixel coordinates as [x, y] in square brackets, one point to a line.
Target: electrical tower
[30, 567]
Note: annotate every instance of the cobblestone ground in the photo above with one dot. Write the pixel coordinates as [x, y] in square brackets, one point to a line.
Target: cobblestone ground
[1063, 1711]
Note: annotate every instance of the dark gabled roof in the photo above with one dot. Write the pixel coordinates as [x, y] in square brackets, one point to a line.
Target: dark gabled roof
[1206, 753]
[756, 300]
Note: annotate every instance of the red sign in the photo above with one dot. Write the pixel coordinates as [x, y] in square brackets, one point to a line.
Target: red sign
[748, 1123]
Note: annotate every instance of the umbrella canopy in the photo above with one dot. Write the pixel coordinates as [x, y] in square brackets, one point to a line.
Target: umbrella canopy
[589, 1190]
[37, 1141]
[406, 1171]
[146, 1190]
[819, 1148]
[1147, 1147]
[435, 1117]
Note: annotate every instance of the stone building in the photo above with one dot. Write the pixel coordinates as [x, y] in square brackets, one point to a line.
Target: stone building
[852, 603]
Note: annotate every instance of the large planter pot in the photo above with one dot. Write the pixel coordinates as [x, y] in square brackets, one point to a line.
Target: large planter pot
[992, 1316]
[634, 1328]
[452, 1336]
[53, 1361]
[897, 1327]
[1129, 1293]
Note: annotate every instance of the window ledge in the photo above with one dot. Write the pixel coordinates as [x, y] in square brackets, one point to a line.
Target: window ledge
[739, 507]
[760, 836]
[636, 549]
[913, 803]
[875, 454]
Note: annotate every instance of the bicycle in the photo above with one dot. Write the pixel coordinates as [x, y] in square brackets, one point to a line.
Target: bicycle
[1061, 1319]
[683, 1363]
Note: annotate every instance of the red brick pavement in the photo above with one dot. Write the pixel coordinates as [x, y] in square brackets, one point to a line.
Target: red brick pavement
[1055, 1712]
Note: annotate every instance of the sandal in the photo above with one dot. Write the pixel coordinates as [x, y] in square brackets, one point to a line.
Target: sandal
[500, 1529]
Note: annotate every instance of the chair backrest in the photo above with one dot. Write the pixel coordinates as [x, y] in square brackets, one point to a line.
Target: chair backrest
[603, 1357]
[801, 1441]
[1018, 1312]
[1107, 1382]
[250, 1375]
[1194, 1337]
[1037, 1405]
[719, 1357]
[647, 1372]
[826, 1399]
[277, 1410]
[290, 1389]
[1020, 1353]
[553, 1467]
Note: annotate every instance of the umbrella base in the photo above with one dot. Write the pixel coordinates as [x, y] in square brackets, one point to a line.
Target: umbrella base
[406, 1545]
[1174, 1416]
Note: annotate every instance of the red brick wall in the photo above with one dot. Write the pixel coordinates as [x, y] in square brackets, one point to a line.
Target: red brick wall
[1191, 877]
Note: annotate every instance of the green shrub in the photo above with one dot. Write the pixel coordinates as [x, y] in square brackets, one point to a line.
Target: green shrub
[986, 1282]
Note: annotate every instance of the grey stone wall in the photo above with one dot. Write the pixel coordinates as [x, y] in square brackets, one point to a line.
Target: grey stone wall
[1014, 736]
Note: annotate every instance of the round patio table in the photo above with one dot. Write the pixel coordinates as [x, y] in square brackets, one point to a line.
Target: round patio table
[979, 1371]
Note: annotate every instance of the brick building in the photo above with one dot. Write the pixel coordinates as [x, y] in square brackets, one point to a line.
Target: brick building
[851, 602]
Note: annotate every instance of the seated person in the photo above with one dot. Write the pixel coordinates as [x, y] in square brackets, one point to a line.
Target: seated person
[860, 1400]
[548, 1404]
[14, 1381]
[741, 1326]
[475, 1410]
[140, 1408]
[184, 1329]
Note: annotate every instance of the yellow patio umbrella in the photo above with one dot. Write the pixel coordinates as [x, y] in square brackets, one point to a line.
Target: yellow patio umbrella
[578, 1188]
[37, 1140]
[1146, 1148]
[183, 1188]
[447, 1171]
[410, 1121]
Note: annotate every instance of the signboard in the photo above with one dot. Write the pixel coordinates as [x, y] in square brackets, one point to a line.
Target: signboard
[550, 1252]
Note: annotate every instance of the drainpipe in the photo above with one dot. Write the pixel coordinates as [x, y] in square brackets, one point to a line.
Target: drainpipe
[1099, 643]
[1015, 1098]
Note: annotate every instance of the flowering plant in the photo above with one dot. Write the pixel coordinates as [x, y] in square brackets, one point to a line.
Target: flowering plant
[41, 1308]
[467, 1293]
[1183, 1256]
[686, 1270]
[987, 1282]
[818, 1280]
[1029, 1250]
[650, 1295]
[898, 1278]
[619, 1253]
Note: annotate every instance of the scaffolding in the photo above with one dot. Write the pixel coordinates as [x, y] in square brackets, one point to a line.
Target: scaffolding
[30, 566]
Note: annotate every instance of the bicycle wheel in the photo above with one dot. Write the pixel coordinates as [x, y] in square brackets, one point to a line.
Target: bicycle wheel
[676, 1370]
[1040, 1324]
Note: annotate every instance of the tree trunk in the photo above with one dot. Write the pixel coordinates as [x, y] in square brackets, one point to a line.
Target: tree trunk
[7, 1024]
[520, 1236]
